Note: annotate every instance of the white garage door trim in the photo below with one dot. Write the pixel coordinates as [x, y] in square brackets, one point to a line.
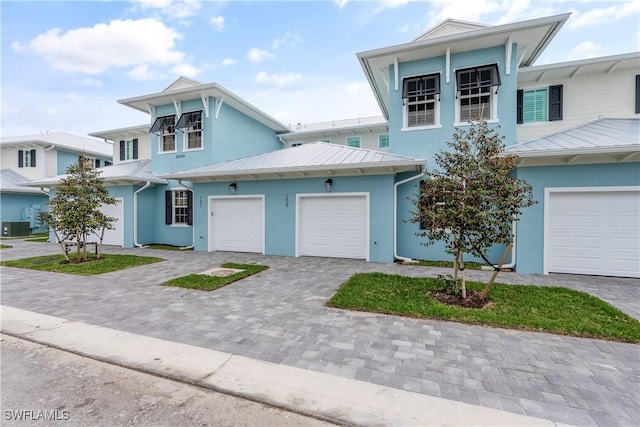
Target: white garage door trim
[115, 236]
[549, 191]
[301, 197]
[210, 218]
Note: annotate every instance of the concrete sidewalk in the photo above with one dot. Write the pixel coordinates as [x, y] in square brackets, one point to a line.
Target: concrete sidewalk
[332, 398]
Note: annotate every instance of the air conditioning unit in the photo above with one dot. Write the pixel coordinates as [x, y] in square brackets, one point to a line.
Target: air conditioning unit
[12, 229]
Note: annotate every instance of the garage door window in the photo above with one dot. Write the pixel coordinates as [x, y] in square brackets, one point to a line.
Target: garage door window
[179, 207]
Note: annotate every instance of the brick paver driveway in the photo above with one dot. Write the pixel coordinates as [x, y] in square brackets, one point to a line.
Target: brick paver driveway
[279, 316]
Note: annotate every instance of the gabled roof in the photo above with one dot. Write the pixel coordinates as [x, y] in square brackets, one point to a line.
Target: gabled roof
[337, 127]
[185, 89]
[62, 140]
[310, 160]
[127, 173]
[11, 182]
[531, 37]
[447, 27]
[617, 137]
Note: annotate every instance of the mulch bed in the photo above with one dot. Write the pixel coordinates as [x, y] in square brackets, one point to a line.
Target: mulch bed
[474, 299]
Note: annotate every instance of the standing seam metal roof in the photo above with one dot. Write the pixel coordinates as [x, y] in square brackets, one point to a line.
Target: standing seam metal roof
[12, 182]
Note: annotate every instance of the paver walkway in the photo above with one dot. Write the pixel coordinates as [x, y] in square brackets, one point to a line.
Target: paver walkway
[279, 316]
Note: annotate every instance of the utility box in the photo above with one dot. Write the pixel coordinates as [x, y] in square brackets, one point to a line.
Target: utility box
[12, 229]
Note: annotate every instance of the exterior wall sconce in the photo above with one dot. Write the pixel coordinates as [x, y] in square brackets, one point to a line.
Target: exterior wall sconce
[232, 188]
[328, 184]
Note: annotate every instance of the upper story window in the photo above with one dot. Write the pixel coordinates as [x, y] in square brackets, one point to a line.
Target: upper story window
[129, 149]
[191, 125]
[539, 105]
[353, 141]
[383, 140]
[296, 144]
[420, 96]
[165, 128]
[477, 93]
[327, 140]
[26, 158]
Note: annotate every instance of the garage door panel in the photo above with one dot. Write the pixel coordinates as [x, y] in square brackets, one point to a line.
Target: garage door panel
[333, 226]
[237, 224]
[114, 236]
[594, 232]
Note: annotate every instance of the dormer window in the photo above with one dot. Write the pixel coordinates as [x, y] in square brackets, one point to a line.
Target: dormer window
[420, 96]
[165, 128]
[191, 125]
[477, 93]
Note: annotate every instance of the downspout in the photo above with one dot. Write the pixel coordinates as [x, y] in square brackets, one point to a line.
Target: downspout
[44, 150]
[193, 227]
[395, 215]
[135, 214]
[283, 143]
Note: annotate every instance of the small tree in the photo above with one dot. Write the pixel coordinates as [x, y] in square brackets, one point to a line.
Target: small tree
[74, 211]
[470, 201]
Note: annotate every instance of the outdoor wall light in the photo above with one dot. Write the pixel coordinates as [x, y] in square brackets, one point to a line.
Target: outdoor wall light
[232, 188]
[328, 184]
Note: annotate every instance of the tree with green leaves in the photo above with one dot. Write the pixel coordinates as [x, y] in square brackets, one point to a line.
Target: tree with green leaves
[74, 211]
[471, 199]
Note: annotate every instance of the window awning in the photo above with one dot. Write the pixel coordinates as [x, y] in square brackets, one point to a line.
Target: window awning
[421, 86]
[478, 77]
[189, 119]
[162, 123]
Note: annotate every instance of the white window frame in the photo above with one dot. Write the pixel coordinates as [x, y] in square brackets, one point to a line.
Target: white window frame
[296, 144]
[353, 137]
[192, 130]
[175, 207]
[128, 149]
[26, 159]
[436, 108]
[493, 98]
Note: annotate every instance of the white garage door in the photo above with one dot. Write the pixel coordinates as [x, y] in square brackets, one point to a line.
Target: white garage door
[114, 236]
[237, 224]
[594, 232]
[333, 226]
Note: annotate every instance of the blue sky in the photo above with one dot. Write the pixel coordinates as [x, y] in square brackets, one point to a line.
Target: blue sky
[65, 63]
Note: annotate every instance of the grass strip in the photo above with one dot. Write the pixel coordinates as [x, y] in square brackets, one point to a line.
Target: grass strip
[537, 308]
[207, 282]
[106, 264]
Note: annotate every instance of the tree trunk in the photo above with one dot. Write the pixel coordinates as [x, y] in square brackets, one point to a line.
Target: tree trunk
[99, 245]
[64, 249]
[78, 253]
[463, 285]
[84, 246]
[487, 288]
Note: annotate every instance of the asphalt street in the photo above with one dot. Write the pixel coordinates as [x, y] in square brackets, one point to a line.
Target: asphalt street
[44, 386]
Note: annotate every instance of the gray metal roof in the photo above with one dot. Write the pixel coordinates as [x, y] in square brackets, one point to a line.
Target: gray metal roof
[11, 182]
[313, 159]
[62, 140]
[602, 136]
[127, 173]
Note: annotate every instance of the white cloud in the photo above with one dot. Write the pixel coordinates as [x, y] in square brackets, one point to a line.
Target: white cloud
[88, 82]
[74, 96]
[586, 50]
[142, 73]
[277, 79]
[258, 55]
[341, 3]
[173, 9]
[289, 39]
[186, 70]
[602, 15]
[229, 61]
[218, 22]
[92, 50]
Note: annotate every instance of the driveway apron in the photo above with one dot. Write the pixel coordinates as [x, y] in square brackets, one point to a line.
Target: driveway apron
[279, 315]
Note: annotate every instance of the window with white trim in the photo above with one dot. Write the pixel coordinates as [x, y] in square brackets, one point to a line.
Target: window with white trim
[539, 104]
[178, 207]
[129, 149]
[420, 99]
[383, 140]
[296, 144]
[191, 125]
[353, 141]
[26, 158]
[165, 128]
[477, 90]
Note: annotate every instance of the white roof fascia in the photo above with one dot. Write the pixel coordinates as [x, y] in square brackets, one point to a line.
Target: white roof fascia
[115, 134]
[461, 42]
[141, 103]
[338, 130]
[576, 151]
[52, 139]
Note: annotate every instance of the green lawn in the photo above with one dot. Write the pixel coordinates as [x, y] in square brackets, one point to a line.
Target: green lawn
[105, 264]
[165, 247]
[549, 309]
[205, 282]
[5, 246]
[39, 239]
